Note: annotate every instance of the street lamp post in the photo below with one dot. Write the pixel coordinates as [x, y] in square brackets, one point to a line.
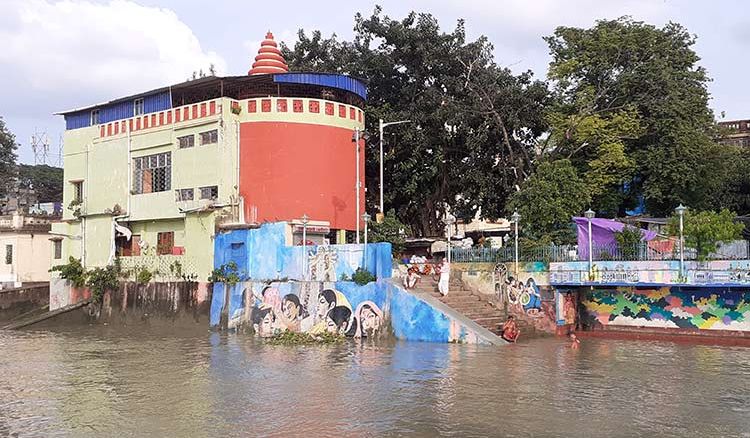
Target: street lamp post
[449, 220]
[515, 217]
[366, 217]
[590, 215]
[681, 212]
[305, 221]
[382, 126]
[357, 184]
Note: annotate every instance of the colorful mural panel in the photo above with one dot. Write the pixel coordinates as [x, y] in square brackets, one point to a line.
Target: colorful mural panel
[676, 308]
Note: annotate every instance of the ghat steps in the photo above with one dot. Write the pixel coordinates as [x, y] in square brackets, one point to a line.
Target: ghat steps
[471, 305]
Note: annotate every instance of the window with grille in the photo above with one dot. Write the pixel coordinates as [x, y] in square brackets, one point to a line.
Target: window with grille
[94, 117]
[183, 195]
[211, 192]
[209, 137]
[58, 249]
[138, 107]
[187, 141]
[78, 191]
[152, 173]
[165, 243]
[8, 254]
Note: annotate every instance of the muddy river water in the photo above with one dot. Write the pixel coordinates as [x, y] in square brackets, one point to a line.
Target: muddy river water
[98, 381]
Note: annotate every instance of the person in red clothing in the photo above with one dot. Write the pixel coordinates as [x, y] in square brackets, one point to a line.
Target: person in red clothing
[510, 330]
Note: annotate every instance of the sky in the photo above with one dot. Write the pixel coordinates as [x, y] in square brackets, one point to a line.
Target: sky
[64, 54]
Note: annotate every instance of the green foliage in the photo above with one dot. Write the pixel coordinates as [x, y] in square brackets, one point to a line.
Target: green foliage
[100, 280]
[654, 115]
[144, 276]
[291, 338]
[628, 240]
[226, 273]
[344, 277]
[362, 276]
[72, 271]
[474, 125]
[705, 229]
[176, 269]
[8, 147]
[548, 200]
[390, 230]
[46, 181]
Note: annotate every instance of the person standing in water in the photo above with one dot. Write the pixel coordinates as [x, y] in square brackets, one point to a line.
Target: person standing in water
[575, 343]
[445, 273]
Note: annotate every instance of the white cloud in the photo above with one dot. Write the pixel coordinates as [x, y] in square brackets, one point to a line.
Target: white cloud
[77, 52]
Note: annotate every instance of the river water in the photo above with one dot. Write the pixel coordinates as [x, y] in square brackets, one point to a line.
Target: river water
[97, 381]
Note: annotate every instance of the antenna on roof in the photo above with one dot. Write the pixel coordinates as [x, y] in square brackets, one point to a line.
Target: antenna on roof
[40, 146]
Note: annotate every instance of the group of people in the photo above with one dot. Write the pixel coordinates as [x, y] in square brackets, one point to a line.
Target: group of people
[414, 275]
[332, 313]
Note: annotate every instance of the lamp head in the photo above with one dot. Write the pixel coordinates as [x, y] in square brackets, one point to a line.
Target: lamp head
[515, 217]
[680, 209]
[589, 214]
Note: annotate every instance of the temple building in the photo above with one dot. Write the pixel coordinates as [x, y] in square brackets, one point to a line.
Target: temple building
[157, 174]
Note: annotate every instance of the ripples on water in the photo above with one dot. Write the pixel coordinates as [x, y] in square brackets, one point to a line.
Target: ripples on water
[97, 381]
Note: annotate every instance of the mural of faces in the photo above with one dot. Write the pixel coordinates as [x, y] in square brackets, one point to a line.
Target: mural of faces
[264, 321]
[369, 319]
[326, 303]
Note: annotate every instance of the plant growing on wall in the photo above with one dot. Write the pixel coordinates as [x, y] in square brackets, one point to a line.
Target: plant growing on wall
[362, 276]
[390, 230]
[100, 280]
[628, 241]
[73, 271]
[704, 230]
[144, 276]
[226, 273]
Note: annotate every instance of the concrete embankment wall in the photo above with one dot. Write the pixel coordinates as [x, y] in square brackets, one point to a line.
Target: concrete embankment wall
[134, 303]
[375, 309]
[19, 301]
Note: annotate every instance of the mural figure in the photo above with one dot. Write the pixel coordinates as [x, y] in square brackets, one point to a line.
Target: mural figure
[569, 309]
[322, 264]
[337, 320]
[263, 319]
[531, 299]
[368, 318]
[291, 314]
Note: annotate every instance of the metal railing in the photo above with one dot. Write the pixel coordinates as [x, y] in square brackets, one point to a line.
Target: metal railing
[643, 251]
[553, 253]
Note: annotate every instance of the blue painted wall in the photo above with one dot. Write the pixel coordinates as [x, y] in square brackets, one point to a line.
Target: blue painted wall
[262, 254]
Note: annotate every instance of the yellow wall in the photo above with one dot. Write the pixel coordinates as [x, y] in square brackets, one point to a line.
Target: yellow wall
[104, 163]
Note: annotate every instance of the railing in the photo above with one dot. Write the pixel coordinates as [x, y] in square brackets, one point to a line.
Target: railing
[564, 253]
[161, 267]
[644, 251]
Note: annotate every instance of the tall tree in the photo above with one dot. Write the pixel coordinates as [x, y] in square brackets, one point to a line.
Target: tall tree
[8, 147]
[474, 125]
[46, 181]
[627, 68]
[548, 200]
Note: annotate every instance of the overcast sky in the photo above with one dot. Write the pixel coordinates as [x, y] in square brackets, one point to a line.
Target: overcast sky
[58, 55]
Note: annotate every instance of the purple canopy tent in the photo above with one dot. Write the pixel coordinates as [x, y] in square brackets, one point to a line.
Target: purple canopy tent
[603, 233]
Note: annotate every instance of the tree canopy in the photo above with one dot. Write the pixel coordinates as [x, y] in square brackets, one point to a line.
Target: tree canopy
[474, 124]
[8, 147]
[46, 181]
[622, 122]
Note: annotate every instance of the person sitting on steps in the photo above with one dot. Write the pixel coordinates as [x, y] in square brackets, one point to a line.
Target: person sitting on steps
[510, 331]
[412, 277]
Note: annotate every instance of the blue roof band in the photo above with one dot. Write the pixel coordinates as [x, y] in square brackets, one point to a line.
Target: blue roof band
[341, 82]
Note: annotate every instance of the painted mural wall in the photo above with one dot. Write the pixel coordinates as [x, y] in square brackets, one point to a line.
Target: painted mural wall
[661, 272]
[343, 307]
[263, 254]
[671, 308]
